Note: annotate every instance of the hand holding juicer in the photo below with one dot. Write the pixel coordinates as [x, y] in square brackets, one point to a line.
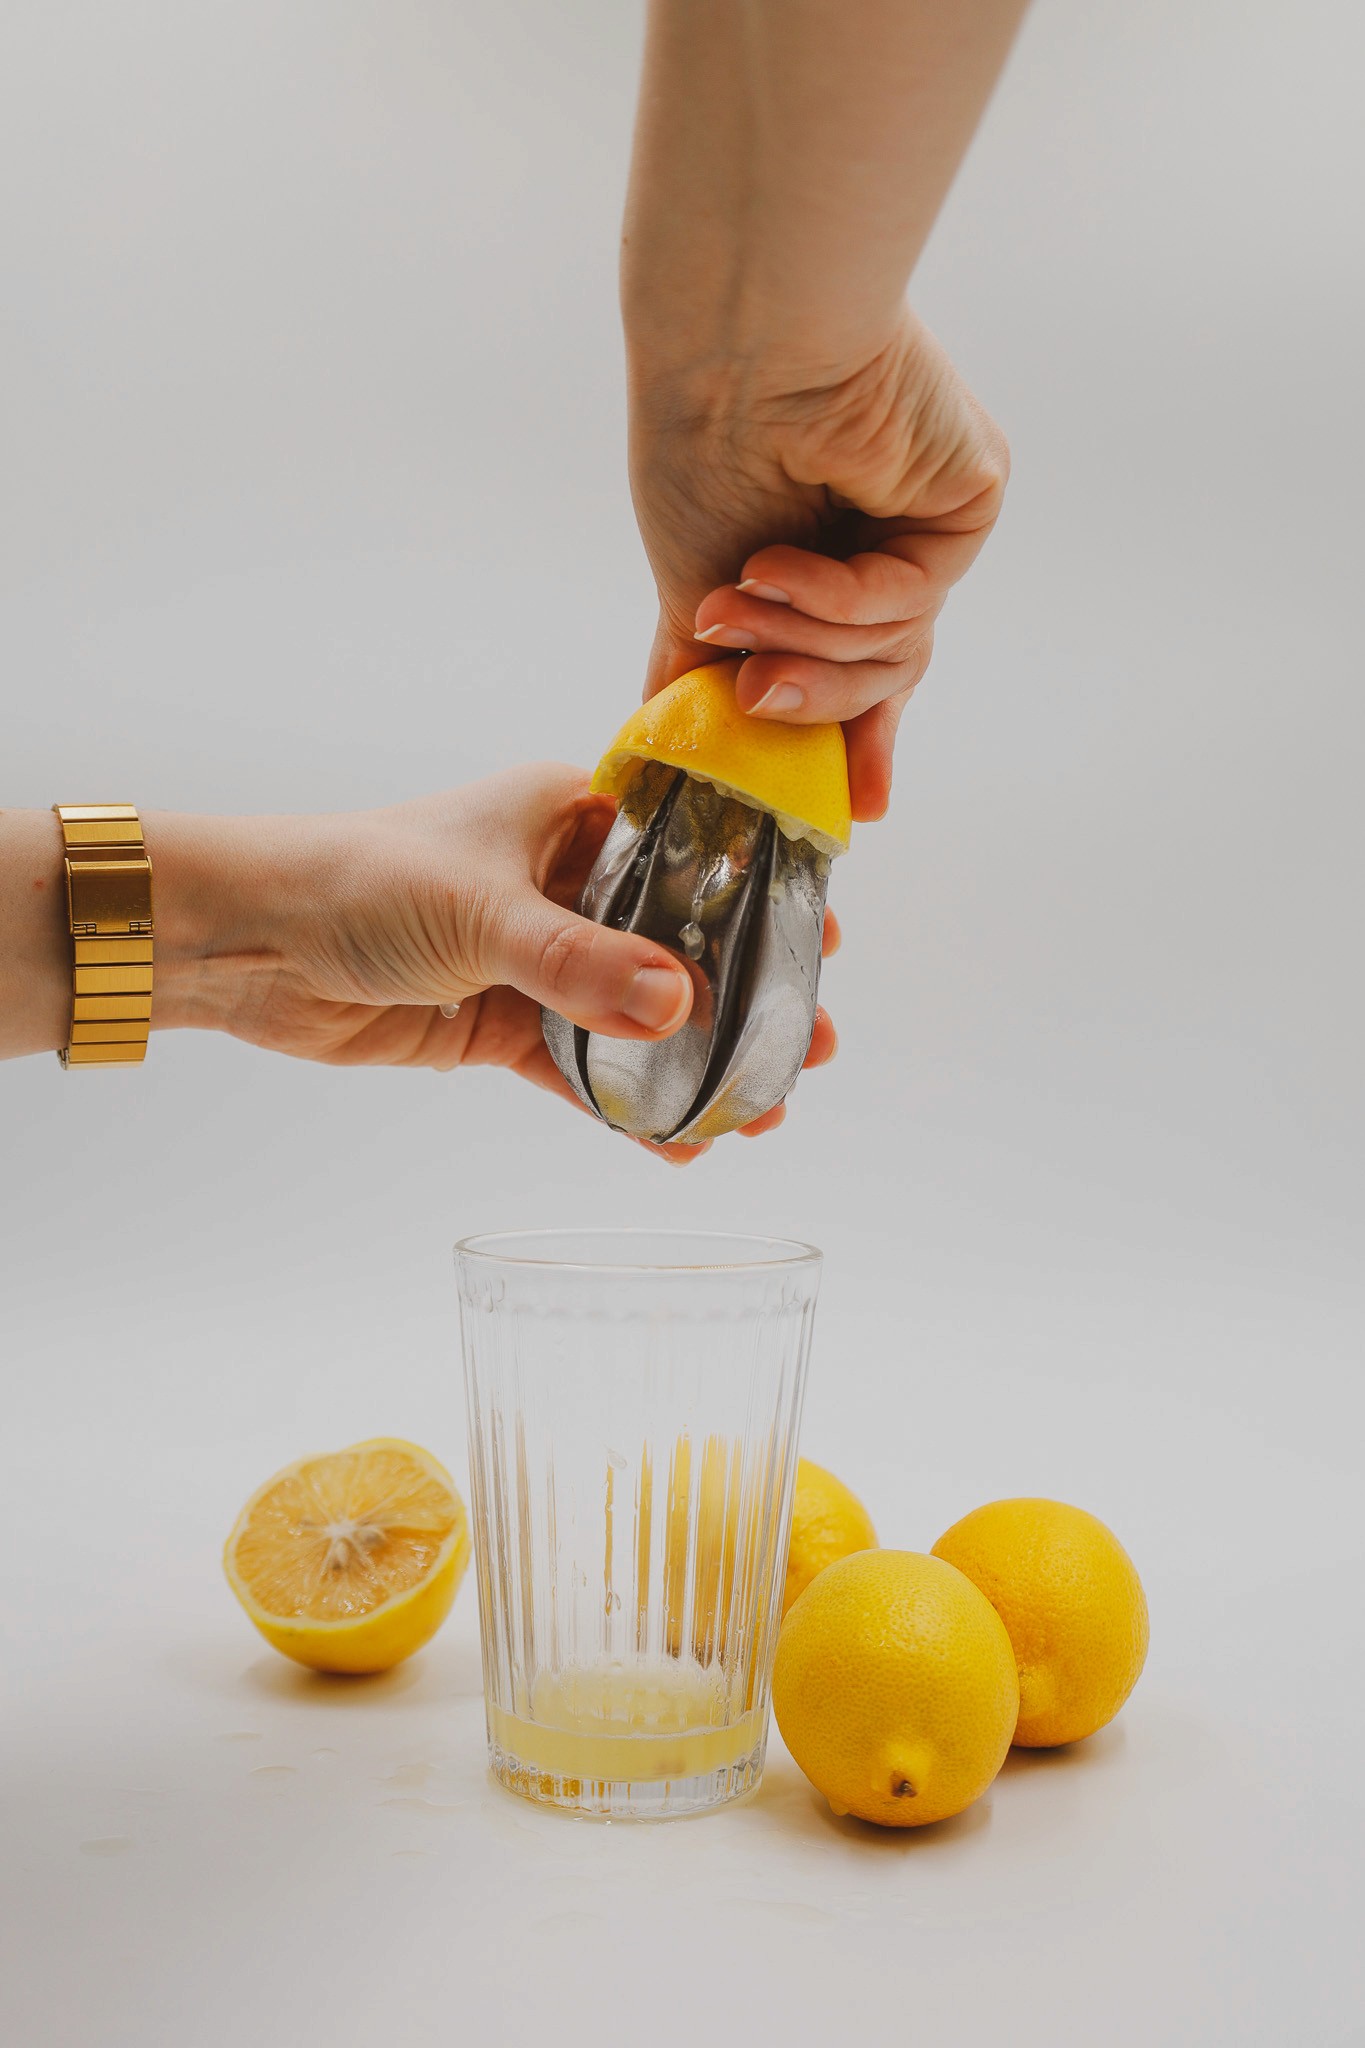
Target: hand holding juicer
[720, 852]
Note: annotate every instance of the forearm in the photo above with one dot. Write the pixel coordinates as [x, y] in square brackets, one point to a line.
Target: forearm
[790, 159]
[219, 885]
[35, 949]
[234, 898]
[425, 934]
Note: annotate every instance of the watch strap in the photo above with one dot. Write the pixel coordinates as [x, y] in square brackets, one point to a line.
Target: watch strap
[109, 901]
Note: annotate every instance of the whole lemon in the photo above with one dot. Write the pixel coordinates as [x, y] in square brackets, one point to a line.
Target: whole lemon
[1073, 1604]
[895, 1688]
[828, 1522]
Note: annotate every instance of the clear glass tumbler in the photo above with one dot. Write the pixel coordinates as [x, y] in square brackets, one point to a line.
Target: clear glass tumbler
[634, 1402]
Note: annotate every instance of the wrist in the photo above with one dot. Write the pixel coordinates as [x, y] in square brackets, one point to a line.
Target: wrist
[768, 385]
[719, 322]
[35, 960]
[232, 897]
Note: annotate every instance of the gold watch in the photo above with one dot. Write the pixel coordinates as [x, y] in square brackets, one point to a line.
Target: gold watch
[109, 897]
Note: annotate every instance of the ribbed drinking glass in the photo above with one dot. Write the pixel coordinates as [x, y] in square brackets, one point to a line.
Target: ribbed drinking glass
[634, 1402]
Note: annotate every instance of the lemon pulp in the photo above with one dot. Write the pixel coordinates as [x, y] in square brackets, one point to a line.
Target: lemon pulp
[799, 773]
[350, 1561]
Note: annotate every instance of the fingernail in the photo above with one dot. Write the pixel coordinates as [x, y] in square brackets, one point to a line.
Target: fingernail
[724, 636]
[781, 697]
[656, 998]
[753, 588]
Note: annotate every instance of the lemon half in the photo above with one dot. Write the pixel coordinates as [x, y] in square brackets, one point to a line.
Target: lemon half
[350, 1561]
[797, 772]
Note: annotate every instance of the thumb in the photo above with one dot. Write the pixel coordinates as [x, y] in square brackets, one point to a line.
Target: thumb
[600, 979]
[674, 652]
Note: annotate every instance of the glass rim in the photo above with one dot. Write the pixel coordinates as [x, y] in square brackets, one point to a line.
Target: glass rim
[488, 1247]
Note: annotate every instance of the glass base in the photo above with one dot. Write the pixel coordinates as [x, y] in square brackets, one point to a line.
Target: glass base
[629, 1740]
[629, 1798]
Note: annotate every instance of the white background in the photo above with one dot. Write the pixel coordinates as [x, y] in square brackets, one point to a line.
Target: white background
[311, 495]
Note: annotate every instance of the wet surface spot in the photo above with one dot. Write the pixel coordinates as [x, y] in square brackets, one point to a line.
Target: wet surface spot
[409, 1774]
[571, 1921]
[420, 1806]
[791, 1912]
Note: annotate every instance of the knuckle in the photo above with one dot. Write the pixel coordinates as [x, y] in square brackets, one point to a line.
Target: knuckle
[902, 647]
[849, 598]
[992, 469]
[564, 957]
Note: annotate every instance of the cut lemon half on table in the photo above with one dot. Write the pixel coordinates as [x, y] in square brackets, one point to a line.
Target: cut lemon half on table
[350, 1561]
[799, 773]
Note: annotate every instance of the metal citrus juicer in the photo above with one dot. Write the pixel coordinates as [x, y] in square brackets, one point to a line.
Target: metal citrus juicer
[735, 888]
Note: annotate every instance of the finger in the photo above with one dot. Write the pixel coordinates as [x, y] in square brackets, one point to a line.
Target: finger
[824, 1042]
[942, 554]
[870, 742]
[797, 690]
[727, 618]
[568, 864]
[832, 937]
[600, 979]
[674, 652]
[877, 588]
[501, 1028]
[672, 1154]
[768, 1122]
[537, 1067]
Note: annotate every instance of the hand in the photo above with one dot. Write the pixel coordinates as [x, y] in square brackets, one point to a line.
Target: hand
[340, 939]
[820, 525]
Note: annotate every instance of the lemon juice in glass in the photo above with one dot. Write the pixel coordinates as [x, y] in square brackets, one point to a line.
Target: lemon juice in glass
[634, 1402]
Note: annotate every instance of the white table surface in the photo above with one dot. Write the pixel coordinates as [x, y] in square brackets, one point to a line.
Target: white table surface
[204, 1846]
